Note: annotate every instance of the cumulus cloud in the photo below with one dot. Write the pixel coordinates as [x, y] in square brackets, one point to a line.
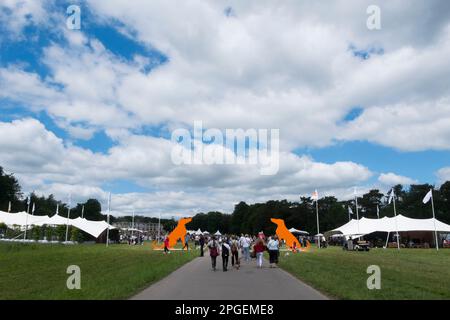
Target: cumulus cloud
[392, 179]
[443, 174]
[287, 66]
[16, 15]
[39, 157]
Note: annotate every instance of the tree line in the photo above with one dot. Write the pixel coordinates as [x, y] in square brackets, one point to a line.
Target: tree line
[252, 218]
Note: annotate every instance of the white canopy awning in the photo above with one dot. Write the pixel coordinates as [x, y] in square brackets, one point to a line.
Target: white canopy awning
[22, 219]
[217, 233]
[385, 224]
[198, 232]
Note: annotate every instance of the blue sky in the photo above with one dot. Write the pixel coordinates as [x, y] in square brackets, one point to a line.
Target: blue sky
[358, 100]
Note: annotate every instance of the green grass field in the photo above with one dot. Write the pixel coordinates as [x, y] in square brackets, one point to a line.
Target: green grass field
[37, 271]
[408, 274]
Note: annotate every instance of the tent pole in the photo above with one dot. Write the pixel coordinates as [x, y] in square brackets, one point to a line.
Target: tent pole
[387, 239]
[434, 221]
[26, 219]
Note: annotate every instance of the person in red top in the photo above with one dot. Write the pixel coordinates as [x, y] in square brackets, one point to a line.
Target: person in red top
[259, 248]
[166, 245]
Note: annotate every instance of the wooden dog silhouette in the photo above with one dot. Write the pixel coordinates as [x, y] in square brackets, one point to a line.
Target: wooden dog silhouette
[283, 233]
[179, 232]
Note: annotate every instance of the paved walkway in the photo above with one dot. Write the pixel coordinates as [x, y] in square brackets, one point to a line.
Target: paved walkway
[196, 281]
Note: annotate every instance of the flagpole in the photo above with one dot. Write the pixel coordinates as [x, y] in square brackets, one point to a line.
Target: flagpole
[9, 207]
[396, 226]
[109, 209]
[317, 215]
[68, 216]
[434, 221]
[357, 214]
[132, 226]
[159, 227]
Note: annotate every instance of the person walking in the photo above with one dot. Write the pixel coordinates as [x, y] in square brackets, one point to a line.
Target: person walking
[274, 251]
[235, 253]
[186, 242]
[225, 254]
[213, 246]
[166, 245]
[245, 244]
[201, 242]
[259, 250]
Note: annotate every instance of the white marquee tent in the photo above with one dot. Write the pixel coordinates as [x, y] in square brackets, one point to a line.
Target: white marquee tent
[217, 233]
[23, 219]
[399, 223]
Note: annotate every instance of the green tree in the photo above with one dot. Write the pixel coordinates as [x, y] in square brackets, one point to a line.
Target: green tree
[10, 191]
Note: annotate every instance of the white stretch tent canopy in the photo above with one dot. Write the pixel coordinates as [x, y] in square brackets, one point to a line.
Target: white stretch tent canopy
[293, 230]
[385, 224]
[217, 233]
[198, 232]
[22, 219]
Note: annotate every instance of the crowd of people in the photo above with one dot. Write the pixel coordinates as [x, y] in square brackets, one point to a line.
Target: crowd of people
[244, 247]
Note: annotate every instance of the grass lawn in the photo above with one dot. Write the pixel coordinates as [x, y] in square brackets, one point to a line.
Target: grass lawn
[408, 274]
[38, 271]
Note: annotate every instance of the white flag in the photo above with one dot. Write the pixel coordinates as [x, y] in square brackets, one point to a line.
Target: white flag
[82, 212]
[378, 212]
[315, 196]
[57, 208]
[34, 207]
[391, 196]
[9, 207]
[350, 211]
[428, 197]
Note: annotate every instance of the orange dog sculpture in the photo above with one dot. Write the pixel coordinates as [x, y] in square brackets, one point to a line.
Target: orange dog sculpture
[283, 233]
[178, 233]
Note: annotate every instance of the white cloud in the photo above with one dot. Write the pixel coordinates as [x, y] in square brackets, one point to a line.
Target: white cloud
[392, 179]
[44, 163]
[15, 15]
[272, 65]
[443, 174]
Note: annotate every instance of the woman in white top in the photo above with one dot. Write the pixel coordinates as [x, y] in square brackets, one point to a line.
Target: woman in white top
[274, 249]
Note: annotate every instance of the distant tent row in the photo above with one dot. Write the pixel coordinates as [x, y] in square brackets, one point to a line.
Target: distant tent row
[23, 219]
[399, 223]
[198, 232]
